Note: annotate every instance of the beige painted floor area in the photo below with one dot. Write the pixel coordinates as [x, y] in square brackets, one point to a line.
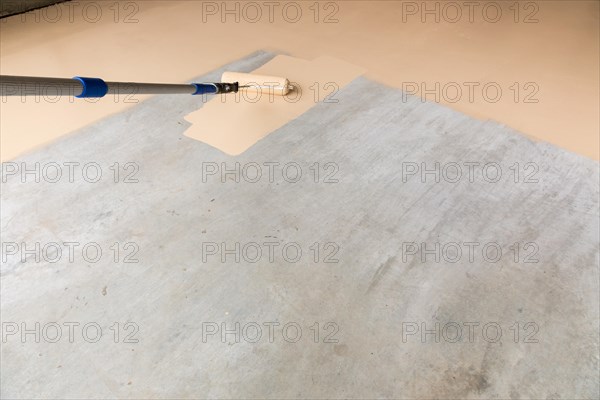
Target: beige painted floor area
[543, 56]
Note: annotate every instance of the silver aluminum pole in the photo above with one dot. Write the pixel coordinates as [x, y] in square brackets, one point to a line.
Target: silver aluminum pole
[35, 86]
[96, 87]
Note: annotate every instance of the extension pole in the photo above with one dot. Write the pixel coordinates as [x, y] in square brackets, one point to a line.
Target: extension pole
[94, 87]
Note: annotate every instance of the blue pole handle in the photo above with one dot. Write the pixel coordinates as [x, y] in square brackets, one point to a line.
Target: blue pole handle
[205, 88]
[92, 87]
[96, 87]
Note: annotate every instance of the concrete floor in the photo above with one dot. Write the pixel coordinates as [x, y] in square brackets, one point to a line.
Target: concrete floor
[529, 320]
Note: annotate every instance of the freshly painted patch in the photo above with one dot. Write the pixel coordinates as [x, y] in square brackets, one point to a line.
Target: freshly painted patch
[234, 122]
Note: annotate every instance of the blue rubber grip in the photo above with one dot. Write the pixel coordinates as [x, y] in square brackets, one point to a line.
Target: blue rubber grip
[92, 87]
[202, 88]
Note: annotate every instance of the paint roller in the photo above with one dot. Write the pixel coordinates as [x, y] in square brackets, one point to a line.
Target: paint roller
[231, 82]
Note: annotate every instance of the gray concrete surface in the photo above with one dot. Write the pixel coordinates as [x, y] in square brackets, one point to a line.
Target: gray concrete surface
[373, 297]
